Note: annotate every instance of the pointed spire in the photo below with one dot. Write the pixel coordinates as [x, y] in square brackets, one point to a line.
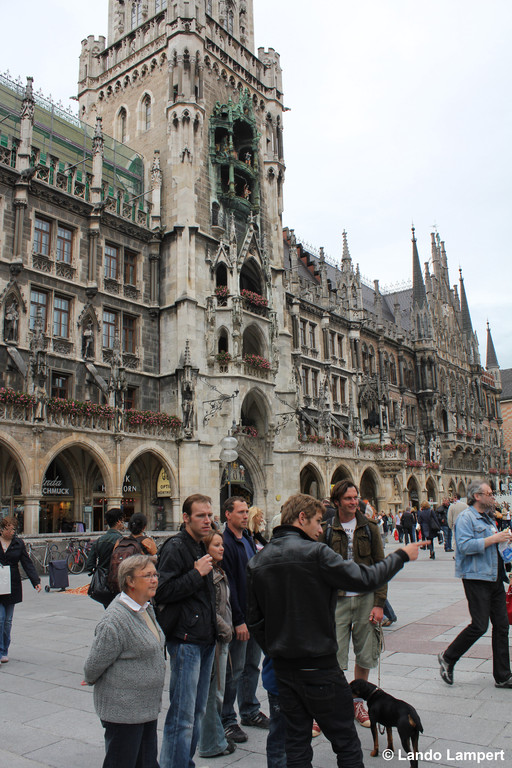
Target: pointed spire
[491, 360]
[346, 261]
[418, 287]
[464, 308]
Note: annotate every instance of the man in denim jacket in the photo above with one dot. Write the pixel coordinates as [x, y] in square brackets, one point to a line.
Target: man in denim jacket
[480, 566]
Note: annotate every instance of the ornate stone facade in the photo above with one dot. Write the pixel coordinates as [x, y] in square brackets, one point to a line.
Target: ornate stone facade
[146, 277]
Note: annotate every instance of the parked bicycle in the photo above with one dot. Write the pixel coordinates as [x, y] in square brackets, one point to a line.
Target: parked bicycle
[76, 552]
[40, 557]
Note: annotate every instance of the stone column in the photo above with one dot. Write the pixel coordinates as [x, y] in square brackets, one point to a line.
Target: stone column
[31, 514]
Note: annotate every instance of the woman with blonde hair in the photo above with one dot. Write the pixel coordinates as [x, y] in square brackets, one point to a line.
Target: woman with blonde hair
[255, 526]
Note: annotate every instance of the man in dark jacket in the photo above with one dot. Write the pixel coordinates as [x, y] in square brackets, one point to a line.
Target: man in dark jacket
[409, 526]
[292, 591]
[185, 589]
[101, 550]
[442, 516]
[243, 672]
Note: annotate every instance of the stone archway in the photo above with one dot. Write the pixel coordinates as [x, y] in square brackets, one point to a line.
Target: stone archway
[12, 500]
[341, 473]
[431, 487]
[149, 486]
[413, 492]
[311, 482]
[368, 487]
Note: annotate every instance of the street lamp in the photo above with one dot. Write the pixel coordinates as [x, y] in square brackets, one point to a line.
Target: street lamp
[228, 455]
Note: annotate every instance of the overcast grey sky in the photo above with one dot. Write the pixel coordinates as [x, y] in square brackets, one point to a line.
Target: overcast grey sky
[401, 112]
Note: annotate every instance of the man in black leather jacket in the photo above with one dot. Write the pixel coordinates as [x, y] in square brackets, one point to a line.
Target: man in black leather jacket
[185, 586]
[292, 589]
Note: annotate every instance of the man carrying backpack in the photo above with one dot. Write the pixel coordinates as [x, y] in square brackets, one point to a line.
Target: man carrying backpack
[358, 614]
[137, 543]
[101, 550]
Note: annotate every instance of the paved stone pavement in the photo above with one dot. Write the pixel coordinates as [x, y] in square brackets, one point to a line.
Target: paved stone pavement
[48, 719]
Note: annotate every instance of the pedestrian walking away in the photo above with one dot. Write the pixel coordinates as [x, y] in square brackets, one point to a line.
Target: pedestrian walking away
[101, 551]
[479, 564]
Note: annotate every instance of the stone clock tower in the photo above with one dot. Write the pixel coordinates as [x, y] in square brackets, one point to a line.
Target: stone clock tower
[180, 83]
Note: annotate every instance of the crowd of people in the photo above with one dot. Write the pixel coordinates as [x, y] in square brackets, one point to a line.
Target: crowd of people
[228, 603]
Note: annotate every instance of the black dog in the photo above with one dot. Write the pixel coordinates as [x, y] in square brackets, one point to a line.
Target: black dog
[389, 712]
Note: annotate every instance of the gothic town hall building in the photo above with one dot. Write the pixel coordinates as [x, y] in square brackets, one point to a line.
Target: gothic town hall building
[153, 308]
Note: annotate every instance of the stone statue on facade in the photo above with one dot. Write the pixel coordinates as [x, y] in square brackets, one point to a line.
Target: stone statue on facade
[117, 382]
[11, 320]
[88, 341]
[187, 406]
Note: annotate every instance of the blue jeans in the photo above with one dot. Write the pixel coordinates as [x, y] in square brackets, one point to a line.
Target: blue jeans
[276, 739]
[447, 532]
[132, 745]
[388, 611]
[243, 671]
[213, 741]
[191, 667]
[6, 612]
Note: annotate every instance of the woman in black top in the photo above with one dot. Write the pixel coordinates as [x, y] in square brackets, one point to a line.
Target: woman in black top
[12, 552]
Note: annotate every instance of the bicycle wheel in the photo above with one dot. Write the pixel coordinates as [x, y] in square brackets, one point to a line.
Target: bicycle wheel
[76, 562]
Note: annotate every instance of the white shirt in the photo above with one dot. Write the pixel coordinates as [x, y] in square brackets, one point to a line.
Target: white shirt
[127, 600]
[349, 529]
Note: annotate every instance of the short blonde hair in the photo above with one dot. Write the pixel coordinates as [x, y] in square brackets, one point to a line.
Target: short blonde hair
[130, 566]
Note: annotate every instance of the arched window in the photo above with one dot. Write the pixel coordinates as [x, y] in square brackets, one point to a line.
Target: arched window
[136, 15]
[146, 112]
[121, 125]
[392, 369]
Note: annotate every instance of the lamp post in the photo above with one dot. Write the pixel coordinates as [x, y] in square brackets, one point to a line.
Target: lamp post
[228, 455]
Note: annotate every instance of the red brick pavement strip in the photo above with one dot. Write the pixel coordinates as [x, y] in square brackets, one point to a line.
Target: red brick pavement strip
[419, 636]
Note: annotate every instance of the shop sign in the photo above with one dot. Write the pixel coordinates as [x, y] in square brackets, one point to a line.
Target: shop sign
[129, 485]
[163, 485]
[54, 488]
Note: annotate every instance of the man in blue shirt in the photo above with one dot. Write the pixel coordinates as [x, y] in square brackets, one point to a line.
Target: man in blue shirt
[480, 566]
[243, 671]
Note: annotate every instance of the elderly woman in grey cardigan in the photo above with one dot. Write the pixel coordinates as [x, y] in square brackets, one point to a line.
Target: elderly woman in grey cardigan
[126, 666]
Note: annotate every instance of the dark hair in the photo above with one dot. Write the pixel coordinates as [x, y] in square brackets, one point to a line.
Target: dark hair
[113, 516]
[195, 498]
[300, 502]
[230, 503]
[137, 523]
[341, 488]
